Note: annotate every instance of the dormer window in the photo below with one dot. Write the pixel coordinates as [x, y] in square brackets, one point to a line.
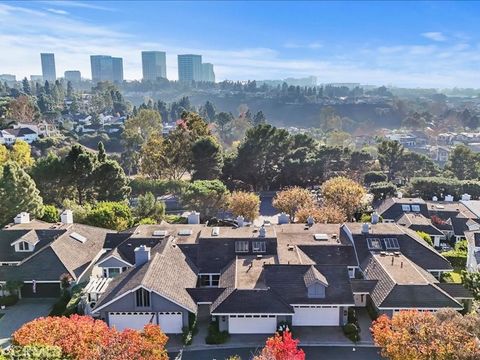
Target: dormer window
[142, 298]
[405, 207]
[241, 246]
[23, 246]
[259, 246]
[316, 290]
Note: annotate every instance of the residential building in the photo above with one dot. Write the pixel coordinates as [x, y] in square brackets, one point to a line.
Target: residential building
[8, 78]
[48, 67]
[36, 78]
[190, 68]
[106, 68]
[10, 136]
[117, 70]
[208, 75]
[154, 65]
[73, 76]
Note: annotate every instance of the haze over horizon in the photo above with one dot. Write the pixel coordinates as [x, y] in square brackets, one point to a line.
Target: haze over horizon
[403, 44]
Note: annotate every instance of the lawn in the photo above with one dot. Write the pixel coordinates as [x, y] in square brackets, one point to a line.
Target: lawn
[454, 277]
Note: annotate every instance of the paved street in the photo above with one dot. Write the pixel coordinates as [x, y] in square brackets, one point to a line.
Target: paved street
[23, 311]
[314, 353]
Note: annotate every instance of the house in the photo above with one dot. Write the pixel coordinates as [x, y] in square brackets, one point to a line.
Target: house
[392, 209]
[418, 222]
[251, 279]
[473, 254]
[39, 253]
[9, 136]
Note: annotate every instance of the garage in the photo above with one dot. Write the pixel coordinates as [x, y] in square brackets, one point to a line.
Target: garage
[170, 322]
[40, 290]
[131, 320]
[252, 324]
[311, 315]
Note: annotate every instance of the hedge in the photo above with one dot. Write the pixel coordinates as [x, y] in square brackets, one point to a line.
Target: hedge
[458, 259]
[140, 186]
[8, 300]
[428, 187]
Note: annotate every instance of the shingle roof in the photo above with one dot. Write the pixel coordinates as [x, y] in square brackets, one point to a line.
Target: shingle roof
[363, 286]
[8, 253]
[205, 295]
[330, 254]
[391, 208]
[313, 276]
[252, 302]
[418, 296]
[457, 291]
[288, 281]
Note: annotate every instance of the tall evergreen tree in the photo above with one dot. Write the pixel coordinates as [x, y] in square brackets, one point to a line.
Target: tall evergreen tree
[206, 159]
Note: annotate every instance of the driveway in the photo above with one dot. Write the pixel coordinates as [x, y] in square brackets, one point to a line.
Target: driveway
[22, 312]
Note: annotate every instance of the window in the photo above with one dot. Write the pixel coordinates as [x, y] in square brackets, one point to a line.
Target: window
[209, 280]
[23, 246]
[241, 246]
[416, 208]
[142, 298]
[259, 246]
[391, 243]
[374, 244]
[406, 207]
[111, 272]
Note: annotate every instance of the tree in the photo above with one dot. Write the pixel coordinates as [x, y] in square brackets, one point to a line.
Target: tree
[3, 154]
[259, 118]
[463, 163]
[425, 237]
[26, 86]
[101, 156]
[18, 193]
[109, 182]
[79, 165]
[344, 193]
[21, 154]
[206, 159]
[390, 156]
[471, 280]
[83, 338]
[372, 177]
[152, 157]
[149, 207]
[48, 173]
[424, 335]
[206, 197]
[50, 214]
[383, 190]
[22, 109]
[323, 215]
[246, 204]
[110, 215]
[291, 200]
[281, 347]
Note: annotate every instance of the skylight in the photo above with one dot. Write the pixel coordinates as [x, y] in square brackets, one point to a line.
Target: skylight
[374, 244]
[405, 207]
[185, 232]
[160, 233]
[78, 237]
[391, 243]
[416, 208]
[320, 237]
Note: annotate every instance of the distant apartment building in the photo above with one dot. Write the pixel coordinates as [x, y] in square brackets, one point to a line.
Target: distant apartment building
[36, 78]
[8, 78]
[190, 68]
[154, 65]
[208, 75]
[48, 67]
[106, 68]
[73, 76]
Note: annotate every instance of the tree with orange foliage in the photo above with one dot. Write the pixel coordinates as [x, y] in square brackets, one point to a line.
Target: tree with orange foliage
[292, 199]
[330, 214]
[417, 335]
[83, 338]
[243, 203]
[22, 109]
[343, 193]
[281, 347]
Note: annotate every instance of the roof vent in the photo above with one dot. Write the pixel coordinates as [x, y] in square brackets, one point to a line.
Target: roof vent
[160, 233]
[466, 197]
[262, 232]
[78, 237]
[22, 218]
[194, 217]
[365, 228]
[399, 195]
[283, 219]
[66, 217]
[240, 221]
[375, 218]
[291, 247]
[320, 237]
[215, 231]
[435, 198]
[449, 198]
[310, 220]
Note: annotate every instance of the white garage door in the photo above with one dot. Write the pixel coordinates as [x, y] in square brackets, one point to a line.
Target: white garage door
[170, 322]
[316, 316]
[131, 320]
[252, 324]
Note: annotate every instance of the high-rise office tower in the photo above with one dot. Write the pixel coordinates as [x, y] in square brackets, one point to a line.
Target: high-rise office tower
[208, 74]
[189, 68]
[73, 76]
[106, 68]
[154, 65]
[117, 69]
[48, 67]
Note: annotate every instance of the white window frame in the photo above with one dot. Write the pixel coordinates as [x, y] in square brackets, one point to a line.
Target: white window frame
[259, 246]
[405, 207]
[415, 208]
[210, 280]
[106, 271]
[241, 246]
[21, 247]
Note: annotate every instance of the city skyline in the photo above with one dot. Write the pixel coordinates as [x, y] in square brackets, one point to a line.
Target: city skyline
[414, 44]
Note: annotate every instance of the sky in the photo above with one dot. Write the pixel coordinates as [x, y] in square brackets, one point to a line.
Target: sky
[408, 44]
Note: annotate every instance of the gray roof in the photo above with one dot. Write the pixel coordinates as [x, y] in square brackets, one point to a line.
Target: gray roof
[391, 208]
[247, 301]
[288, 281]
[457, 291]
[205, 295]
[363, 286]
[169, 273]
[313, 276]
[419, 296]
[8, 253]
[330, 254]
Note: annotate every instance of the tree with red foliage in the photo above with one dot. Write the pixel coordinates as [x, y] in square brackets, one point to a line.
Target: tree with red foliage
[281, 347]
[417, 335]
[83, 338]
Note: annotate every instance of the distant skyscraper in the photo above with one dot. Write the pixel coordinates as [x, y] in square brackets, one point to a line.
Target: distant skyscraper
[48, 67]
[208, 74]
[189, 68]
[117, 68]
[106, 68]
[36, 78]
[154, 65]
[73, 75]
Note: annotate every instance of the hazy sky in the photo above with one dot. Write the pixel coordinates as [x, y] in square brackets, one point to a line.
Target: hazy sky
[424, 44]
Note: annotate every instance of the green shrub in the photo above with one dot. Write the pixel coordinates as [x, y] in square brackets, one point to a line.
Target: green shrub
[425, 237]
[352, 316]
[372, 312]
[458, 259]
[351, 331]
[374, 177]
[60, 306]
[215, 336]
[8, 300]
[76, 296]
[382, 190]
[141, 185]
[189, 331]
[50, 214]
[175, 219]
